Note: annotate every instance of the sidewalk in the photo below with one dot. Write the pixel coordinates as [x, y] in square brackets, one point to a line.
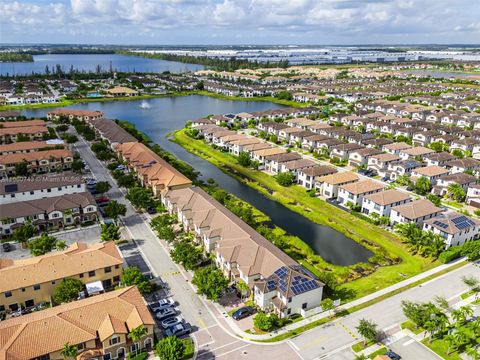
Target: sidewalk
[326, 314]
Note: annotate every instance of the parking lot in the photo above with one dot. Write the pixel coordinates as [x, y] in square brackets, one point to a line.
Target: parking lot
[89, 235]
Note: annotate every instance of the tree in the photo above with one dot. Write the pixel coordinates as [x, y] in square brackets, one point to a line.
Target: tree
[133, 277]
[78, 165]
[185, 253]
[422, 185]
[456, 192]
[114, 209]
[67, 290]
[126, 181]
[243, 288]
[21, 168]
[265, 322]
[210, 282]
[24, 232]
[244, 159]
[327, 304]
[473, 353]
[434, 199]
[42, 245]
[368, 330]
[473, 283]
[285, 178]
[170, 348]
[284, 95]
[69, 351]
[60, 245]
[102, 187]
[140, 197]
[136, 334]
[109, 232]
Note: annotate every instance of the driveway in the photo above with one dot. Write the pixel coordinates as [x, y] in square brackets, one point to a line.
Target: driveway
[409, 348]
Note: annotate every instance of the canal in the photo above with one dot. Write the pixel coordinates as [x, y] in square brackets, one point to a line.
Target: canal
[168, 114]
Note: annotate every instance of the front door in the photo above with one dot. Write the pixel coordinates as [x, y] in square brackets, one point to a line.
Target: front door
[29, 303]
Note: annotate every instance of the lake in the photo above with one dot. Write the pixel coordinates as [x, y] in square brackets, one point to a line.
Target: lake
[168, 114]
[88, 63]
[446, 74]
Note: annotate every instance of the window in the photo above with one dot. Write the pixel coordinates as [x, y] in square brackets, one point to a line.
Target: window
[304, 305]
[108, 270]
[59, 189]
[12, 195]
[107, 356]
[49, 190]
[116, 278]
[289, 311]
[81, 275]
[2, 308]
[91, 273]
[134, 347]
[114, 340]
[290, 299]
[117, 266]
[36, 287]
[53, 282]
[31, 192]
[81, 346]
[8, 294]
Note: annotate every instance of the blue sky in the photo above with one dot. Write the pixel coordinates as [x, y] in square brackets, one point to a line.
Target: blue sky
[173, 22]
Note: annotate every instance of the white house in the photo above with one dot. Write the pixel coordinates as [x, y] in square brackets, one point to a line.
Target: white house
[380, 203]
[354, 193]
[454, 227]
[415, 211]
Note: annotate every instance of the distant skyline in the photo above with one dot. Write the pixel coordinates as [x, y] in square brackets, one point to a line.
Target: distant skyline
[227, 22]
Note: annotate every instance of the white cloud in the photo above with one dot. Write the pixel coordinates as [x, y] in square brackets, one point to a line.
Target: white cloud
[191, 21]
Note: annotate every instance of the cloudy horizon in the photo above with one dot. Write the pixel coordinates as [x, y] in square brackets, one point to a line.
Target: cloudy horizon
[227, 22]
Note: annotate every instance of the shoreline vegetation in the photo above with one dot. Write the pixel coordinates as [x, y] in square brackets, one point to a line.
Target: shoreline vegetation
[69, 102]
[211, 63]
[8, 57]
[391, 262]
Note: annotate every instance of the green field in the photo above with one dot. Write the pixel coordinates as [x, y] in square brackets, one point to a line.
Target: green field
[398, 265]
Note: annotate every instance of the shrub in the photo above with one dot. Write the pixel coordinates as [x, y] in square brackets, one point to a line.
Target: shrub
[451, 254]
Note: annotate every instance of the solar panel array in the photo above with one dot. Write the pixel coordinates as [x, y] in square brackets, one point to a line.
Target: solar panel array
[440, 224]
[271, 285]
[462, 222]
[302, 284]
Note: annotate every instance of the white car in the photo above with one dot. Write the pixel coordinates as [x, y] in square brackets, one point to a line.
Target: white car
[171, 322]
[162, 304]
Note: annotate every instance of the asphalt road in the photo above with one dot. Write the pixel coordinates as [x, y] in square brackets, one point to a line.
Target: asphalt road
[409, 348]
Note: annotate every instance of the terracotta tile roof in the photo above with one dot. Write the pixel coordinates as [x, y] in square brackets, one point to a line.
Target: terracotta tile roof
[35, 156]
[47, 205]
[416, 209]
[20, 124]
[23, 130]
[151, 166]
[387, 197]
[110, 130]
[78, 258]
[24, 146]
[46, 331]
[41, 182]
[432, 170]
[339, 178]
[362, 187]
[75, 112]
[397, 146]
[445, 222]
[269, 151]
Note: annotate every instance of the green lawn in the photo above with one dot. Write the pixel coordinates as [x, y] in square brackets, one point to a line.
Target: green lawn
[361, 345]
[381, 351]
[410, 325]
[189, 348]
[441, 347]
[467, 294]
[387, 246]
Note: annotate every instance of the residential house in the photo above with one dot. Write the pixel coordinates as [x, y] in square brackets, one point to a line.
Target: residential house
[151, 170]
[417, 211]
[329, 184]
[33, 280]
[360, 157]
[71, 114]
[354, 193]
[439, 159]
[380, 203]
[432, 173]
[454, 227]
[98, 326]
[462, 165]
[379, 163]
[444, 181]
[307, 176]
[273, 163]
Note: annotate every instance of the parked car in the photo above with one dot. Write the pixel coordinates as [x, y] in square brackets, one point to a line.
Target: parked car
[162, 304]
[102, 200]
[242, 312]
[178, 330]
[392, 355]
[171, 322]
[165, 313]
[7, 247]
[151, 210]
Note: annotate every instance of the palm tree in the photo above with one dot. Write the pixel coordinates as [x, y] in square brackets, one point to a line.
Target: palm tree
[473, 283]
[69, 351]
[451, 341]
[442, 302]
[473, 353]
[456, 192]
[136, 334]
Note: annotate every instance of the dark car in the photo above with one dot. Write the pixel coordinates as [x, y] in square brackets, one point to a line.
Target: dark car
[151, 210]
[178, 330]
[6, 247]
[392, 355]
[242, 313]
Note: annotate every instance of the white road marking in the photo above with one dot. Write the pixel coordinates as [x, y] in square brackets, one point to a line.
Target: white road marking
[406, 343]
